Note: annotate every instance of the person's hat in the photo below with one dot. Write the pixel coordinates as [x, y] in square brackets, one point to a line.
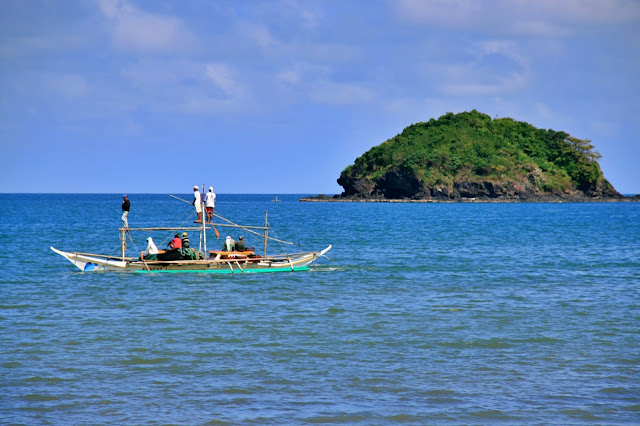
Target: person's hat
[184, 234]
[195, 186]
[241, 237]
[177, 235]
[211, 189]
[148, 238]
[124, 196]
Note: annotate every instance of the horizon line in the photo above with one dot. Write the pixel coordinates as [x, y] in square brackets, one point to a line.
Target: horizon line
[165, 193]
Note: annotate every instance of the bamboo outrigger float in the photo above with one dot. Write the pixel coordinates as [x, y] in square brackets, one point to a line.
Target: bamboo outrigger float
[214, 261]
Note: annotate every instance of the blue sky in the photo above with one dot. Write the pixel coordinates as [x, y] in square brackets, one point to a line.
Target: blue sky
[133, 96]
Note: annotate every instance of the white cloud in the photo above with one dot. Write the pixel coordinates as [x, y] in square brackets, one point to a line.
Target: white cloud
[544, 111]
[524, 17]
[301, 13]
[186, 86]
[326, 92]
[220, 75]
[582, 11]
[500, 86]
[110, 8]
[508, 49]
[290, 77]
[19, 46]
[68, 85]
[303, 72]
[202, 105]
[539, 28]
[257, 33]
[317, 83]
[448, 12]
[155, 76]
[134, 29]
[604, 129]
[490, 68]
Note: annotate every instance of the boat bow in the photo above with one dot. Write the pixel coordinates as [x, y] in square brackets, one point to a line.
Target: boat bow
[90, 262]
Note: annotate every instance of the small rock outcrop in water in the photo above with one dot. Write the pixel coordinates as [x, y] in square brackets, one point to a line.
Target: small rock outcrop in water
[469, 156]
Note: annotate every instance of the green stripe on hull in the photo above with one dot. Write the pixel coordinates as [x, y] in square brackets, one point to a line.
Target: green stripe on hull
[223, 271]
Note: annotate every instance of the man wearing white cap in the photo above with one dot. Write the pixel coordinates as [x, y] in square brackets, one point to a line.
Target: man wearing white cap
[197, 202]
[210, 203]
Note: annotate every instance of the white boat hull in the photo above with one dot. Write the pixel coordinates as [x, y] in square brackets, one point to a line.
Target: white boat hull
[93, 262]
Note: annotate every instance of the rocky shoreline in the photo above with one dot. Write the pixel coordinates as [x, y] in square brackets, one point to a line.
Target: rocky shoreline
[398, 187]
[537, 199]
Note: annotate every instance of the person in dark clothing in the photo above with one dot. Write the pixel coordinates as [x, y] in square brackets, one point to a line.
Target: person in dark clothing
[240, 244]
[126, 205]
[185, 240]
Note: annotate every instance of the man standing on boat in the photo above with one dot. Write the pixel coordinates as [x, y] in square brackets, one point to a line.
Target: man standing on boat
[197, 202]
[210, 203]
[126, 205]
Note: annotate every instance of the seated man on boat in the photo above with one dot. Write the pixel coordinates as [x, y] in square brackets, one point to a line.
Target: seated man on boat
[229, 244]
[233, 250]
[240, 244]
[185, 240]
[151, 253]
[177, 251]
[176, 243]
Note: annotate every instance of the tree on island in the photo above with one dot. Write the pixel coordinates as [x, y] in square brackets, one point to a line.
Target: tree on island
[469, 155]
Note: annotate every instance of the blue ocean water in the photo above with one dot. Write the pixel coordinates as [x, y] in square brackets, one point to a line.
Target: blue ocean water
[423, 313]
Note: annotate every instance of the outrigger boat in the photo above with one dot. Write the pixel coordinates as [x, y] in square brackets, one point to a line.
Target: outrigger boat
[214, 261]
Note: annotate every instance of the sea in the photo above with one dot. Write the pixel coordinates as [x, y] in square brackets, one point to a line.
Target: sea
[421, 313]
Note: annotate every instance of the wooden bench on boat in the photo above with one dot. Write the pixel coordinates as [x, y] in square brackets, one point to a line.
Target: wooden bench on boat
[223, 254]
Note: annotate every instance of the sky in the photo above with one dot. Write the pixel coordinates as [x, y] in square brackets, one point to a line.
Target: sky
[251, 96]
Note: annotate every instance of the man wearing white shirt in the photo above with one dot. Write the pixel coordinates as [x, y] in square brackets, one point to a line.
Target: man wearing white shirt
[210, 203]
[197, 202]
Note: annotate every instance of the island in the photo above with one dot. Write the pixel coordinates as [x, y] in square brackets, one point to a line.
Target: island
[469, 157]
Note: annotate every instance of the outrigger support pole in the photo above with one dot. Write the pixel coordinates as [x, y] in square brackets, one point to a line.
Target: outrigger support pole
[202, 224]
[123, 243]
[266, 233]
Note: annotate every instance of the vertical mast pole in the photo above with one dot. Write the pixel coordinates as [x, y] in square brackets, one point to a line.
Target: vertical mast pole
[204, 220]
[123, 243]
[266, 233]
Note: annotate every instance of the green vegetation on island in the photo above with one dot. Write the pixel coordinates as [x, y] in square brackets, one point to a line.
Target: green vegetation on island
[469, 154]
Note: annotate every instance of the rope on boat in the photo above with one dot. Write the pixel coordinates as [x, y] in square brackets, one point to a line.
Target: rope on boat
[249, 230]
[137, 251]
[233, 223]
[282, 249]
[181, 226]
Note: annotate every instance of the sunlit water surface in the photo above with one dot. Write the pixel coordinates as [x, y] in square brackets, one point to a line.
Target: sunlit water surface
[427, 313]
